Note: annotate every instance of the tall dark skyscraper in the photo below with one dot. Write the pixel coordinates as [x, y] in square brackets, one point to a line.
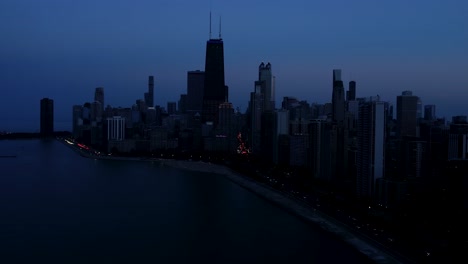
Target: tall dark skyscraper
[407, 108]
[351, 93]
[195, 87]
[267, 86]
[338, 112]
[371, 146]
[47, 117]
[215, 91]
[149, 96]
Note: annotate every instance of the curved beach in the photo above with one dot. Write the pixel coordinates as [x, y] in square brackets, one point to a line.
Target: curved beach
[292, 205]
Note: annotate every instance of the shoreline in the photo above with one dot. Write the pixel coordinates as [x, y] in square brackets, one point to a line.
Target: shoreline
[290, 204]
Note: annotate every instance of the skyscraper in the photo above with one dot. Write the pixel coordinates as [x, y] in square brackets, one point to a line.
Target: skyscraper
[351, 93]
[215, 91]
[429, 112]
[97, 107]
[182, 104]
[267, 86]
[320, 149]
[149, 96]
[371, 141]
[116, 128]
[47, 117]
[407, 108]
[338, 131]
[458, 138]
[195, 87]
[256, 110]
[419, 109]
[338, 112]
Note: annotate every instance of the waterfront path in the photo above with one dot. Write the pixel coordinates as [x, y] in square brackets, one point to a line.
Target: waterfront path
[369, 248]
[372, 249]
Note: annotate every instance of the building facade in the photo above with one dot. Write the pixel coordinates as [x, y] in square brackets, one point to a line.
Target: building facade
[407, 111]
[215, 91]
[338, 100]
[115, 128]
[195, 87]
[267, 82]
[370, 158]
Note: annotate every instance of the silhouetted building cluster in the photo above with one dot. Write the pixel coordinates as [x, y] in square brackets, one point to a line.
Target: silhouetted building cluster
[354, 143]
[202, 122]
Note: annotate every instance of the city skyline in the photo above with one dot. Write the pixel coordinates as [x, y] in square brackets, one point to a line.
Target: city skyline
[386, 48]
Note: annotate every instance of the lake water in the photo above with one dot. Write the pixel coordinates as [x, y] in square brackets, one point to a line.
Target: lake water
[58, 207]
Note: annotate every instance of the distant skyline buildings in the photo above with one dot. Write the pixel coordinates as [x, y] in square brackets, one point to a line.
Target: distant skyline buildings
[423, 56]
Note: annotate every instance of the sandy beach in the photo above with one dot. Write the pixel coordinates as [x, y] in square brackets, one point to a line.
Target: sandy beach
[290, 204]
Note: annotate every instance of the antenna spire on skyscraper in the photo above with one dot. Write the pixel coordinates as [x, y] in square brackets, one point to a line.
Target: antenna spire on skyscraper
[219, 27]
[210, 24]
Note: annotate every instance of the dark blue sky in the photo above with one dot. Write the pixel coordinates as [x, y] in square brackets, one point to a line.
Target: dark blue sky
[64, 49]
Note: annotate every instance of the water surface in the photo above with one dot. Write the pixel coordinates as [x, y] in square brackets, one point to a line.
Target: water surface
[57, 206]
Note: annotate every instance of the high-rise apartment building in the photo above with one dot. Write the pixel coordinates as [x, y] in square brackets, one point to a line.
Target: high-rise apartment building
[370, 153]
[351, 93]
[429, 112]
[195, 87]
[419, 109]
[407, 108]
[96, 112]
[116, 128]
[458, 138]
[320, 149]
[256, 110]
[226, 118]
[338, 100]
[47, 117]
